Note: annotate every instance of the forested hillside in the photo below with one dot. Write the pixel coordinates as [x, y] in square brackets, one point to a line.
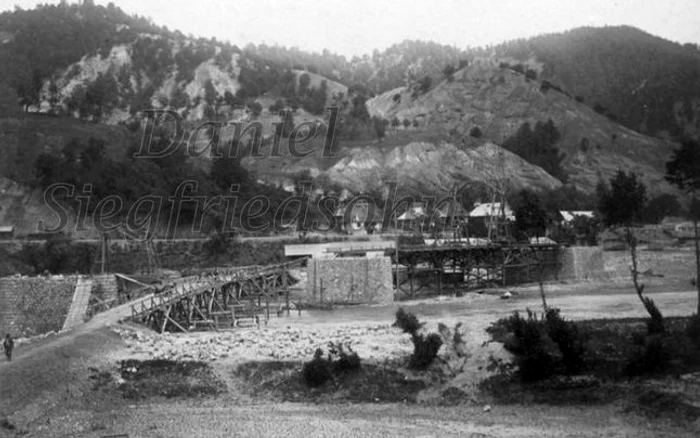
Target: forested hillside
[647, 83]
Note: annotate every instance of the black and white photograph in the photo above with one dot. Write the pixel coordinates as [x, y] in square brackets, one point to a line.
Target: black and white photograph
[327, 218]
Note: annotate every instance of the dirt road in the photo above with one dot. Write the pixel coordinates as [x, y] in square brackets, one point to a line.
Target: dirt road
[294, 420]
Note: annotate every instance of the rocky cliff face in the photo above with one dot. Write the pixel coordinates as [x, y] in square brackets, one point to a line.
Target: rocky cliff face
[436, 169]
[499, 101]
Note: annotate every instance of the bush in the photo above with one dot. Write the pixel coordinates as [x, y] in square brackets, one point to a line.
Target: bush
[569, 340]
[542, 346]
[317, 371]
[425, 349]
[650, 358]
[536, 364]
[532, 356]
[407, 322]
[346, 361]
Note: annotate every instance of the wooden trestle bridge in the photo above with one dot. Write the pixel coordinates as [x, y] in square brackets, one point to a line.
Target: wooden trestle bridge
[473, 266]
[228, 298]
[221, 299]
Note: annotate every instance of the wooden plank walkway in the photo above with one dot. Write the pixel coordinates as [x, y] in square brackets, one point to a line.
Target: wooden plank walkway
[79, 306]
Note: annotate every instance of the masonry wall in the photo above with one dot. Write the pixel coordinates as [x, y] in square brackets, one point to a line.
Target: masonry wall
[104, 295]
[105, 287]
[350, 280]
[582, 263]
[34, 305]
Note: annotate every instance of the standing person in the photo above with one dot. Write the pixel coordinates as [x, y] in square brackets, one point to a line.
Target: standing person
[8, 344]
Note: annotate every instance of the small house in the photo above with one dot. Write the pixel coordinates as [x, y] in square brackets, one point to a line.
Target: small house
[568, 216]
[449, 216]
[358, 216]
[486, 214]
[413, 217]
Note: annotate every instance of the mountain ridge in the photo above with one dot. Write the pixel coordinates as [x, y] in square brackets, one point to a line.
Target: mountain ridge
[414, 100]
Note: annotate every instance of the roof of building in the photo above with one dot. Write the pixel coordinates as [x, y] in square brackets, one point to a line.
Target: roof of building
[449, 209]
[542, 241]
[359, 212]
[416, 211]
[7, 229]
[491, 209]
[569, 215]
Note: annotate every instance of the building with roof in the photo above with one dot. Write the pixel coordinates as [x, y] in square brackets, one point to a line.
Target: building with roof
[486, 215]
[358, 216]
[413, 217]
[568, 216]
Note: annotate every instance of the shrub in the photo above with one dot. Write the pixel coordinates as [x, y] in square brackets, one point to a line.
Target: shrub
[650, 358]
[533, 358]
[407, 322]
[346, 361]
[340, 360]
[568, 338]
[536, 364]
[542, 346]
[475, 132]
[317, 371]
[425, 349]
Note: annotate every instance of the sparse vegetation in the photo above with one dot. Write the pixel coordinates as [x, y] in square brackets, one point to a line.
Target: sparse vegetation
[425, 348]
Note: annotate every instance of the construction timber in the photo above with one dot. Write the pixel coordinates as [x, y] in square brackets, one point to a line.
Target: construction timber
[218, 300]
[473, 266]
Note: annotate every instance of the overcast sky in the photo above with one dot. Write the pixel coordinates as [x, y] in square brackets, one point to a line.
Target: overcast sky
[352, 27]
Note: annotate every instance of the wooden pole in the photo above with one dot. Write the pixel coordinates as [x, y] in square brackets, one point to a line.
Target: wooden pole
[104, 251]
[286, 291]
[397, 265]
[366, 291]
